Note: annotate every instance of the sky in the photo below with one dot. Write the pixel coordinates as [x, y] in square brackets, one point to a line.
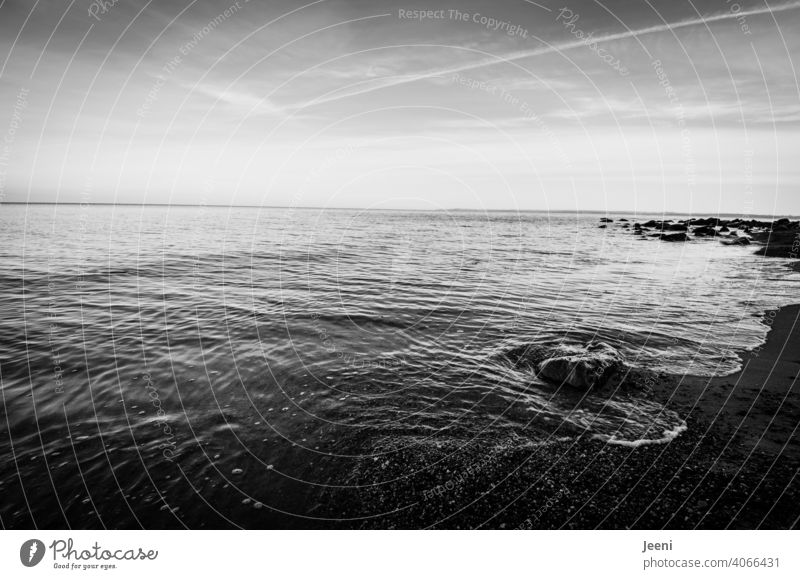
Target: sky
[624, 105]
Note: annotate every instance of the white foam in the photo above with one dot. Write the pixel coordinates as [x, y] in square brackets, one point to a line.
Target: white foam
[669, 435]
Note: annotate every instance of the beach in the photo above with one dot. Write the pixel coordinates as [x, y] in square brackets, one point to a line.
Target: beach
[733, 467]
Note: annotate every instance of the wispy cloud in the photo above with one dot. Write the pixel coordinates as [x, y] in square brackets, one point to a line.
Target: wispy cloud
[238, 99]
[372, 85]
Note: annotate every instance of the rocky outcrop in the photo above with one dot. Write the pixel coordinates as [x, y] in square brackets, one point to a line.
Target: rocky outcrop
[778, 238]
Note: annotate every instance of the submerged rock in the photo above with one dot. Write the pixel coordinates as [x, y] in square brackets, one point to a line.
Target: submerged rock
[588, 367]
[585, 367]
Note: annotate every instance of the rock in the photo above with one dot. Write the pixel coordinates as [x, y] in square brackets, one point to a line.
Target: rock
[724, 229]
[606, 220]
[736, 241]
[778, 243]
[705, 230]
[588, 367]
[580, 366]
[677, 227]
[709, 221]
[674, 237]
[623, 219]
[601, 226]
[637, 226]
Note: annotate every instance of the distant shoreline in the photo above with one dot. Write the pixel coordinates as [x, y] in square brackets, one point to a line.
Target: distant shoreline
[411, 210]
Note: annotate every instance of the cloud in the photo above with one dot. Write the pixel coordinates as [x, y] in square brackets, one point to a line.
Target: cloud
[237, 99]
[372, 85]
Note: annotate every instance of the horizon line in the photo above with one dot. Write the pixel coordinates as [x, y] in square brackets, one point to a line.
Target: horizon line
[397, 209]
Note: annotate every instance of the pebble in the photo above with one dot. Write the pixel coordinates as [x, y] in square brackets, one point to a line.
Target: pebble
[237, 471]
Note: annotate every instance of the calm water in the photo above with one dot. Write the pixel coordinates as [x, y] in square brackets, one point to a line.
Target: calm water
[207, 366]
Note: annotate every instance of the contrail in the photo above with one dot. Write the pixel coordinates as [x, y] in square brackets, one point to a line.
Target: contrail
[387, 83]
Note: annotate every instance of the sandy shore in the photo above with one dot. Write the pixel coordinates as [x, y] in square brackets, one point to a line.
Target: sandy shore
[736, 465]
[757, 408]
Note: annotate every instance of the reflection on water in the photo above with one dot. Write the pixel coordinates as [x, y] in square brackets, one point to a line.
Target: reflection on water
[206, 366]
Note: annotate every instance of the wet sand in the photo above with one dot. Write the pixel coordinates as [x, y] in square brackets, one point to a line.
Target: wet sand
[736, 465]
[757, 408]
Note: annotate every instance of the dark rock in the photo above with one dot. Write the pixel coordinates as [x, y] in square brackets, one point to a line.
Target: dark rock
[708, 221]
[705, 230]
[579, 366]
[606, 220]
[674, 237]
[588, 367]
[601, 226]
[778, 243]
[678, 227]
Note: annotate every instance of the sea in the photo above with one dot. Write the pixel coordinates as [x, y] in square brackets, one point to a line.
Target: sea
[217, 367]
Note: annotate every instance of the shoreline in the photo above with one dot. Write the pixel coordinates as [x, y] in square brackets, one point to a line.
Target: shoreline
[735, 466]
[752, 405]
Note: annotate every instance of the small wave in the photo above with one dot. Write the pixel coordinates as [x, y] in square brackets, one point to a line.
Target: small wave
[668, 436]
